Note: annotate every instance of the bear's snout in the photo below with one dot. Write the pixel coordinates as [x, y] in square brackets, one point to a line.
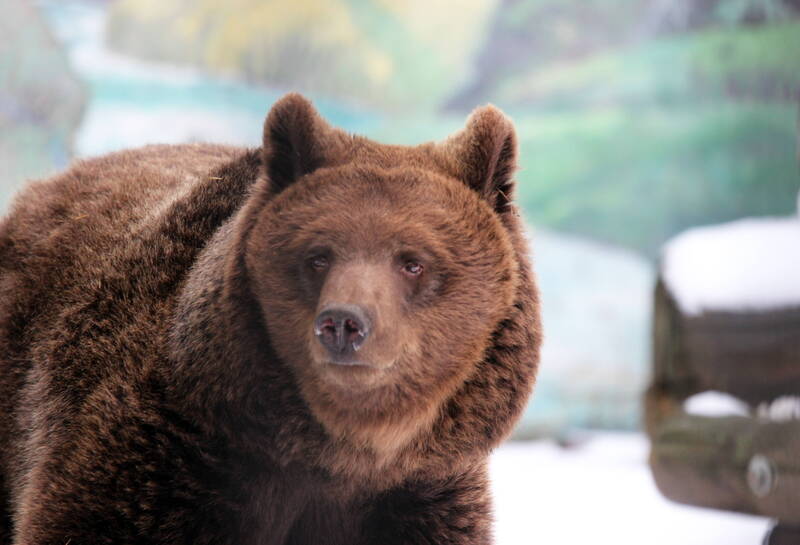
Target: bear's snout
[342, 329]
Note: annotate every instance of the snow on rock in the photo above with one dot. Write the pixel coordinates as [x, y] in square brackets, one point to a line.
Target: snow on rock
[717, 404]
[783, 408]
[746, 265]
[602, 492]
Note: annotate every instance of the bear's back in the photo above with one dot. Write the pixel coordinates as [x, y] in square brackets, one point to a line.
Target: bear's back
[99, 204]
[92, 259]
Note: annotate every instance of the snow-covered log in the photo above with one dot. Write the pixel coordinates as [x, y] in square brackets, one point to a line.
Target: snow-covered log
[727, 319]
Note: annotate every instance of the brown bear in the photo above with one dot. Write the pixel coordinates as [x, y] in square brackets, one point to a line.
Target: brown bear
[315, 342]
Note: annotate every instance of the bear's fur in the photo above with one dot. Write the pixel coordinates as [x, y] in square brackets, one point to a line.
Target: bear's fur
[160, 377]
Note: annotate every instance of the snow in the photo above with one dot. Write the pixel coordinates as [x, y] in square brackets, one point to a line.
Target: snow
[600, 492]
[751, 264]
[781, 409]
[716, 404]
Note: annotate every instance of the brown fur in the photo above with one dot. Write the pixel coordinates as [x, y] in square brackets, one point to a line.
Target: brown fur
[159, 378]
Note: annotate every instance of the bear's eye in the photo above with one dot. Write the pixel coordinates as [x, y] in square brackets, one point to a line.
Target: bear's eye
[412, 268]
[318, 262]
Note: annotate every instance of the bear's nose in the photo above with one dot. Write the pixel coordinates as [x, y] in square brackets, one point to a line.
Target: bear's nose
[342, 329]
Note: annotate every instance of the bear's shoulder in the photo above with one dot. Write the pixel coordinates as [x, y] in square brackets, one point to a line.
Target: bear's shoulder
[99, 205]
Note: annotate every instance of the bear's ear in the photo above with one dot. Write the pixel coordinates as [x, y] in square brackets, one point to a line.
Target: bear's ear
[485, 155]
[294, 140]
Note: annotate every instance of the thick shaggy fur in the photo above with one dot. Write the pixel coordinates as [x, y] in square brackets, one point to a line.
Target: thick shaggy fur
[158, 381]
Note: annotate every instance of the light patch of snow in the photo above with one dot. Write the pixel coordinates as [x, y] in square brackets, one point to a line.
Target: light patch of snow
[750, 264]
[600, 493]
[716, 404]
[783, 408]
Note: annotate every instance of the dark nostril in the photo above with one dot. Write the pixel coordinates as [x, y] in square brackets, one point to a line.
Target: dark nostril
[327, 328]
[352, 326]
[342, 329]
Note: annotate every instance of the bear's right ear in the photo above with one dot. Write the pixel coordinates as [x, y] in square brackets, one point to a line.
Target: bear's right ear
[294, 136]
[484, 156]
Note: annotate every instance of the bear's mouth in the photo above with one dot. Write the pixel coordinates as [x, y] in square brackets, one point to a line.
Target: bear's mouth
[349, 363]
[353, 375]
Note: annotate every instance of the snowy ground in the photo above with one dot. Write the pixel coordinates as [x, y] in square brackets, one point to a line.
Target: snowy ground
[600, 492]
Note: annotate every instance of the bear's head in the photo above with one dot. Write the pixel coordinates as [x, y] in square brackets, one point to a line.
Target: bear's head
[382, 273]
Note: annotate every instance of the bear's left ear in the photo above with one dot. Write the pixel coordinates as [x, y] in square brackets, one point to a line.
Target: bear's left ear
[294, 140]
[484, 155]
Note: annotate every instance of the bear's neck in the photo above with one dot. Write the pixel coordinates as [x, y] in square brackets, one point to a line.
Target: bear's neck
[221, 369]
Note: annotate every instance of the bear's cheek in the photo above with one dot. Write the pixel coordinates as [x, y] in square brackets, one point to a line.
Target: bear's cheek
[459, 330]
[287, 315]
[287, 325]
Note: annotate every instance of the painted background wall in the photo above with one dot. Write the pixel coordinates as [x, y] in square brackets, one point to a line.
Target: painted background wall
[636, 118]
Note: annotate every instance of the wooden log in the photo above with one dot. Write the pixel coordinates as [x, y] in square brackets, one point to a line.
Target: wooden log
[783, 534]
[754, 356]
[741, 464]
[734, 463]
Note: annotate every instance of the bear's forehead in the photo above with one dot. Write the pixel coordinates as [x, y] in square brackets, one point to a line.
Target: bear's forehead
[371, 231]
[382, 212]
[398, 187]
